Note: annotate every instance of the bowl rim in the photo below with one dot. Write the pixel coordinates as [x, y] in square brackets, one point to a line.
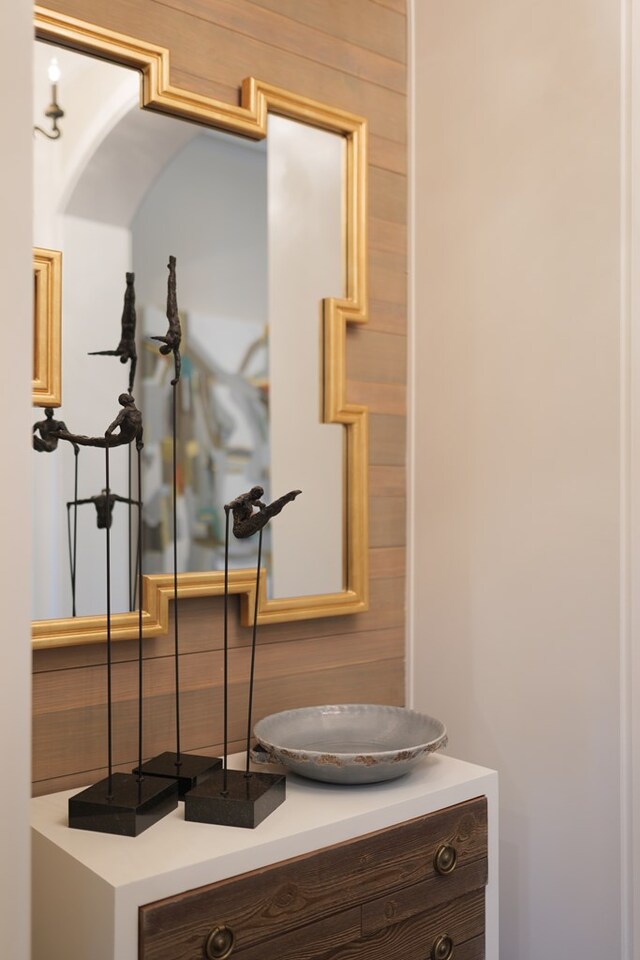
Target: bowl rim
[411, 750]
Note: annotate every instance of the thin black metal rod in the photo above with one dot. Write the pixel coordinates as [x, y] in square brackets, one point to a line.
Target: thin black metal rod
[176, 635]
[225, 632]
[109, 695]
[76, 453]
[253, 652]
[138, 559]
[139, 572]
[70, 556]
[132, 574]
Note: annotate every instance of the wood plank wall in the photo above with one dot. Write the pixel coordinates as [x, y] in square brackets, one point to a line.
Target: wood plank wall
[350, 53]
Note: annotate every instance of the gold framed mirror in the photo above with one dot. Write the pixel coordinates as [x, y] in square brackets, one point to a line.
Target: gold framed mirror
[249, 119]
[47, 318]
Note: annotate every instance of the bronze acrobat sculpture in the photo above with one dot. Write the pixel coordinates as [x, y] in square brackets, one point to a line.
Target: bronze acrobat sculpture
[186, 768]
[173, 338]
[126, 349]
[129, 422]
[49, 430]
[104, 504]
[240, 798]
[245, 521]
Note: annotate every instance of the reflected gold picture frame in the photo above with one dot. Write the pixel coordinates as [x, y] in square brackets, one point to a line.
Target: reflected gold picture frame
[47, 327]
[249, 119]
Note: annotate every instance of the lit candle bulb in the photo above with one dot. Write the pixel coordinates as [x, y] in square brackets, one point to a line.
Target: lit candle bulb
[54, 71]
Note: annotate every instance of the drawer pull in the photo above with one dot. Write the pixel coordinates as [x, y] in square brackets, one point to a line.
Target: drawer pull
[442, 948]
[445, 859]
[219, 943]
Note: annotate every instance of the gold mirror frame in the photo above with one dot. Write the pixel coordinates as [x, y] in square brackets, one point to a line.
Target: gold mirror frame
[258, 99]
[47, 327]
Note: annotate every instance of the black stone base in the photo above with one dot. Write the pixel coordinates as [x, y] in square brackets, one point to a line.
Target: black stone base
[248, 800]
[134, 805]
[193, 769]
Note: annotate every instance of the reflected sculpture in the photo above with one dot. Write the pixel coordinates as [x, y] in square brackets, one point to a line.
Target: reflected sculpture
[49, 430]
[171, 342]
[104, 503]
[129, 422]
[126, 349]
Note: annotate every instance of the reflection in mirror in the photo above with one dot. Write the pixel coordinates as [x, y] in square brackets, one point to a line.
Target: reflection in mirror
[257, 233]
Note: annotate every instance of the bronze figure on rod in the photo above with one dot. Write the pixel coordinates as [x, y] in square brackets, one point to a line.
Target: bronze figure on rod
[47, 442]
[128, 422]
[189, 769]
[246, 522]
[104, 503]
[173, 337]
[49, 430]
[121, 803]
[126, 349]
[234, 797]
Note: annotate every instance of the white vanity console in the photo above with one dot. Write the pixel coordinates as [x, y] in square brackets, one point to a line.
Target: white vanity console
[366, 869]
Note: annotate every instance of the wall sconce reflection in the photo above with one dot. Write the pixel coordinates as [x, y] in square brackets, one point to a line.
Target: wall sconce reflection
[53, 111]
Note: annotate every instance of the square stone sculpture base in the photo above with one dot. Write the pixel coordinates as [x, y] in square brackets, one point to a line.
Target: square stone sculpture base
[192, 771]
[127, 806]
[247, 801]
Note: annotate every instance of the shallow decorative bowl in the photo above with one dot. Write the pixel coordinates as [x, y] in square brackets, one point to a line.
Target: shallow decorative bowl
[349, 743]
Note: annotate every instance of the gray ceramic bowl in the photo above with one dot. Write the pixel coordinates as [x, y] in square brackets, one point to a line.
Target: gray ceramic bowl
[349, 743]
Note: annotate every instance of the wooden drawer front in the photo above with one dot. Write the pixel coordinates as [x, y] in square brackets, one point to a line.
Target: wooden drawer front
[337, 939]
[422, 896]
[268, 902]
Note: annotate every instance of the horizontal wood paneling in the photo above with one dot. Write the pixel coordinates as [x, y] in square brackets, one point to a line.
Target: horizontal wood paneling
[201, 628]
[354, 20]
[388, 273]
[201, 713]
[374, 357]
[292, 36]
[387, 154]
[352, 54]
[379, 397]
[385, 317]
[206, 50]
[387, 481]
[384, 235]
[387, 440]
[398, 6]
[66, 689]
[387, 560]
[388, 195]
[388, 520]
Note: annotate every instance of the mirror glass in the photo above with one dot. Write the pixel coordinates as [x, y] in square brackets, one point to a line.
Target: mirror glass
[257, 232]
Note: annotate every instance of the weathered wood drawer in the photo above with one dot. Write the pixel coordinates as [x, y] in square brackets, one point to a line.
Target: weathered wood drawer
[378, 887]
[340, 938]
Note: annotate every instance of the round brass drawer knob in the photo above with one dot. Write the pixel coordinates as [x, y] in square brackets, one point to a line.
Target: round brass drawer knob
[445, 859]
[219, 943]
[442, 948]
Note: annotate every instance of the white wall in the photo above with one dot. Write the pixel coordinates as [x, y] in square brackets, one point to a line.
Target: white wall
[15, 401]
[516, 442]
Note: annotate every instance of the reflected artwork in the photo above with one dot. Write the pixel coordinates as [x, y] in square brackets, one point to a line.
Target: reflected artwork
[113, 195]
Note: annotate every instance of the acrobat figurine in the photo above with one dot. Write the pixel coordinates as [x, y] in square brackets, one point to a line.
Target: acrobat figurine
[126, 349]
[246, 522]
[171, 342]
[104, 506]
[49, 431]
[129, 421]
